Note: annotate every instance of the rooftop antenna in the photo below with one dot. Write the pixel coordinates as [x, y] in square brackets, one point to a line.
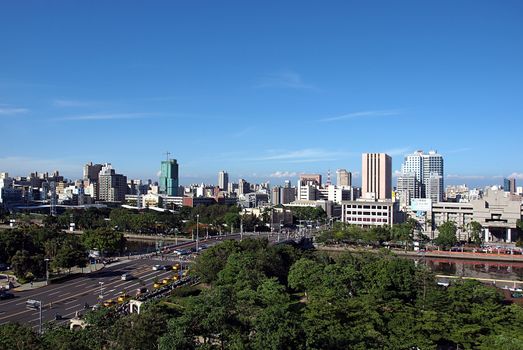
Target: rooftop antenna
[329, 177]
[167, 154]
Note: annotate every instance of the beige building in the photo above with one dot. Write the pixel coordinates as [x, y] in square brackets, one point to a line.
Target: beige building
[376, 171]
[368, 213]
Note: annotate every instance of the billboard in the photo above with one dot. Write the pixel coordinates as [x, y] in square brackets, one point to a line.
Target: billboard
[421, 204]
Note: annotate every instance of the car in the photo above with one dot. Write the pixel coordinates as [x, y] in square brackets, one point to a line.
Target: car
[123, 297]
[6, 295]
[175, 278]
[158, 267]
[165, 281]
[109, 303]
[176, 267]
[141, 291]
[127, 277]
[156, 285]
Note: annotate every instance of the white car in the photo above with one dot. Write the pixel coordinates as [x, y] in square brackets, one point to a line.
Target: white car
[158, 267]
[127, 277]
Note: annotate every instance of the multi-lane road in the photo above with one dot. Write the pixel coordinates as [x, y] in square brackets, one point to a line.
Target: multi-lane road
[69, 297]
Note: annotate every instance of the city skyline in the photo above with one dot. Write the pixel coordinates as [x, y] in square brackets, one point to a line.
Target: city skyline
[248, 94]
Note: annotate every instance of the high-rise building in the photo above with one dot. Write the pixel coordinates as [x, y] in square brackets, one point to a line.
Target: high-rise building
[287, 194]
[422, 165]
[343, 178]
[91, 171]
[434, 190]
[276, 195]
[243, 187]
[408, 188]
[509, 185]
[376, 175]
[169, 177]
[223, 180]
[112, 186]
[432, 165]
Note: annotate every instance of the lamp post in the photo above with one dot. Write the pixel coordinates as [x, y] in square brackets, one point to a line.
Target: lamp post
[197, 230]
[46, 271]
[241, 228]
[101, 296]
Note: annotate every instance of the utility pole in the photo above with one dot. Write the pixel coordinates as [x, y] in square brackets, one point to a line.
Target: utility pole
[241, 228]
[46, 271]
[197, 230]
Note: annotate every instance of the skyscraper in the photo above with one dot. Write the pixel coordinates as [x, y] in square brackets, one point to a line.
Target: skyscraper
[223, 180]
[432, 166]
[376, 170]
[343, 178]
[423, 167]
[169, 177]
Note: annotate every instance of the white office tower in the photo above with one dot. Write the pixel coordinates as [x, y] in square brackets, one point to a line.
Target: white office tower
[422, 166]
[432, 166]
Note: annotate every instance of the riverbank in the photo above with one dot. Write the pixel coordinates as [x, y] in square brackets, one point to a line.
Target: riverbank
[432, 254]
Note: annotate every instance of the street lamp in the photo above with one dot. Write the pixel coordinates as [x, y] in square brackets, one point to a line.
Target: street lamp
[46, 271]
[101, 296]
[197, 230]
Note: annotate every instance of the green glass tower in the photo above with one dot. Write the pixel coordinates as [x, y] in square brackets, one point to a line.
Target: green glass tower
[169, 177]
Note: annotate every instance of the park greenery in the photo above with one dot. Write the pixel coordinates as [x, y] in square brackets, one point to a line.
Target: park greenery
[259, 296]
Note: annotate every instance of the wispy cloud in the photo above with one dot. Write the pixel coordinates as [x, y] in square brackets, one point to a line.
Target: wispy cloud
[8, 110]
[518, 176]
[300, 156]
[459, 150]
[395, 152]
[280, 174]
[364, 114]
[284, 79]
[107, 116]
[468, 177]
[243, 132]
[73, 103]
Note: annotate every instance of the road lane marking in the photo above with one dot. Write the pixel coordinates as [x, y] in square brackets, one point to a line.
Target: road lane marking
[72, 307]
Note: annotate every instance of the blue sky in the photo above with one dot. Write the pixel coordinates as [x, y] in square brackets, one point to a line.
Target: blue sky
[263, 89]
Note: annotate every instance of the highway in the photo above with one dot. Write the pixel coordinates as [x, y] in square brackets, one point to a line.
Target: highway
[68, 297]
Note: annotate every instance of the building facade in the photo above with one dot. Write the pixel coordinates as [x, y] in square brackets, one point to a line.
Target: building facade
[169, 177]
[223, 180]
[376, 170]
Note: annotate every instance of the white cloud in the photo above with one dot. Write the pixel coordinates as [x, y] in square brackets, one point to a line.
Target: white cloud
[280, 174]
[284, 79]
[396, 173]
[363, 114]
[394, 152]
[467, 177]
[107, 116]
[7, 110]
[303, 155]
[517, 176]
[72, 103]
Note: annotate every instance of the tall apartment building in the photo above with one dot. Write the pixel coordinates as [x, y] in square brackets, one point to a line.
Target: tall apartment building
[408, 187]
[343, 178]
[112, 186]
[169, 177]
[276, 195]
[376, 170]
[91, 171]
[223, 180]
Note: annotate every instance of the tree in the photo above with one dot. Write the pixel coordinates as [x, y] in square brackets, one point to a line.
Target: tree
[17, 337]
[71, 253]
[104, 239]
[447, 235]
[27, 266]
[475, 228]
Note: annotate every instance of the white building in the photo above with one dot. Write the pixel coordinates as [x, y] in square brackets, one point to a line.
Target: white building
[368, 213]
